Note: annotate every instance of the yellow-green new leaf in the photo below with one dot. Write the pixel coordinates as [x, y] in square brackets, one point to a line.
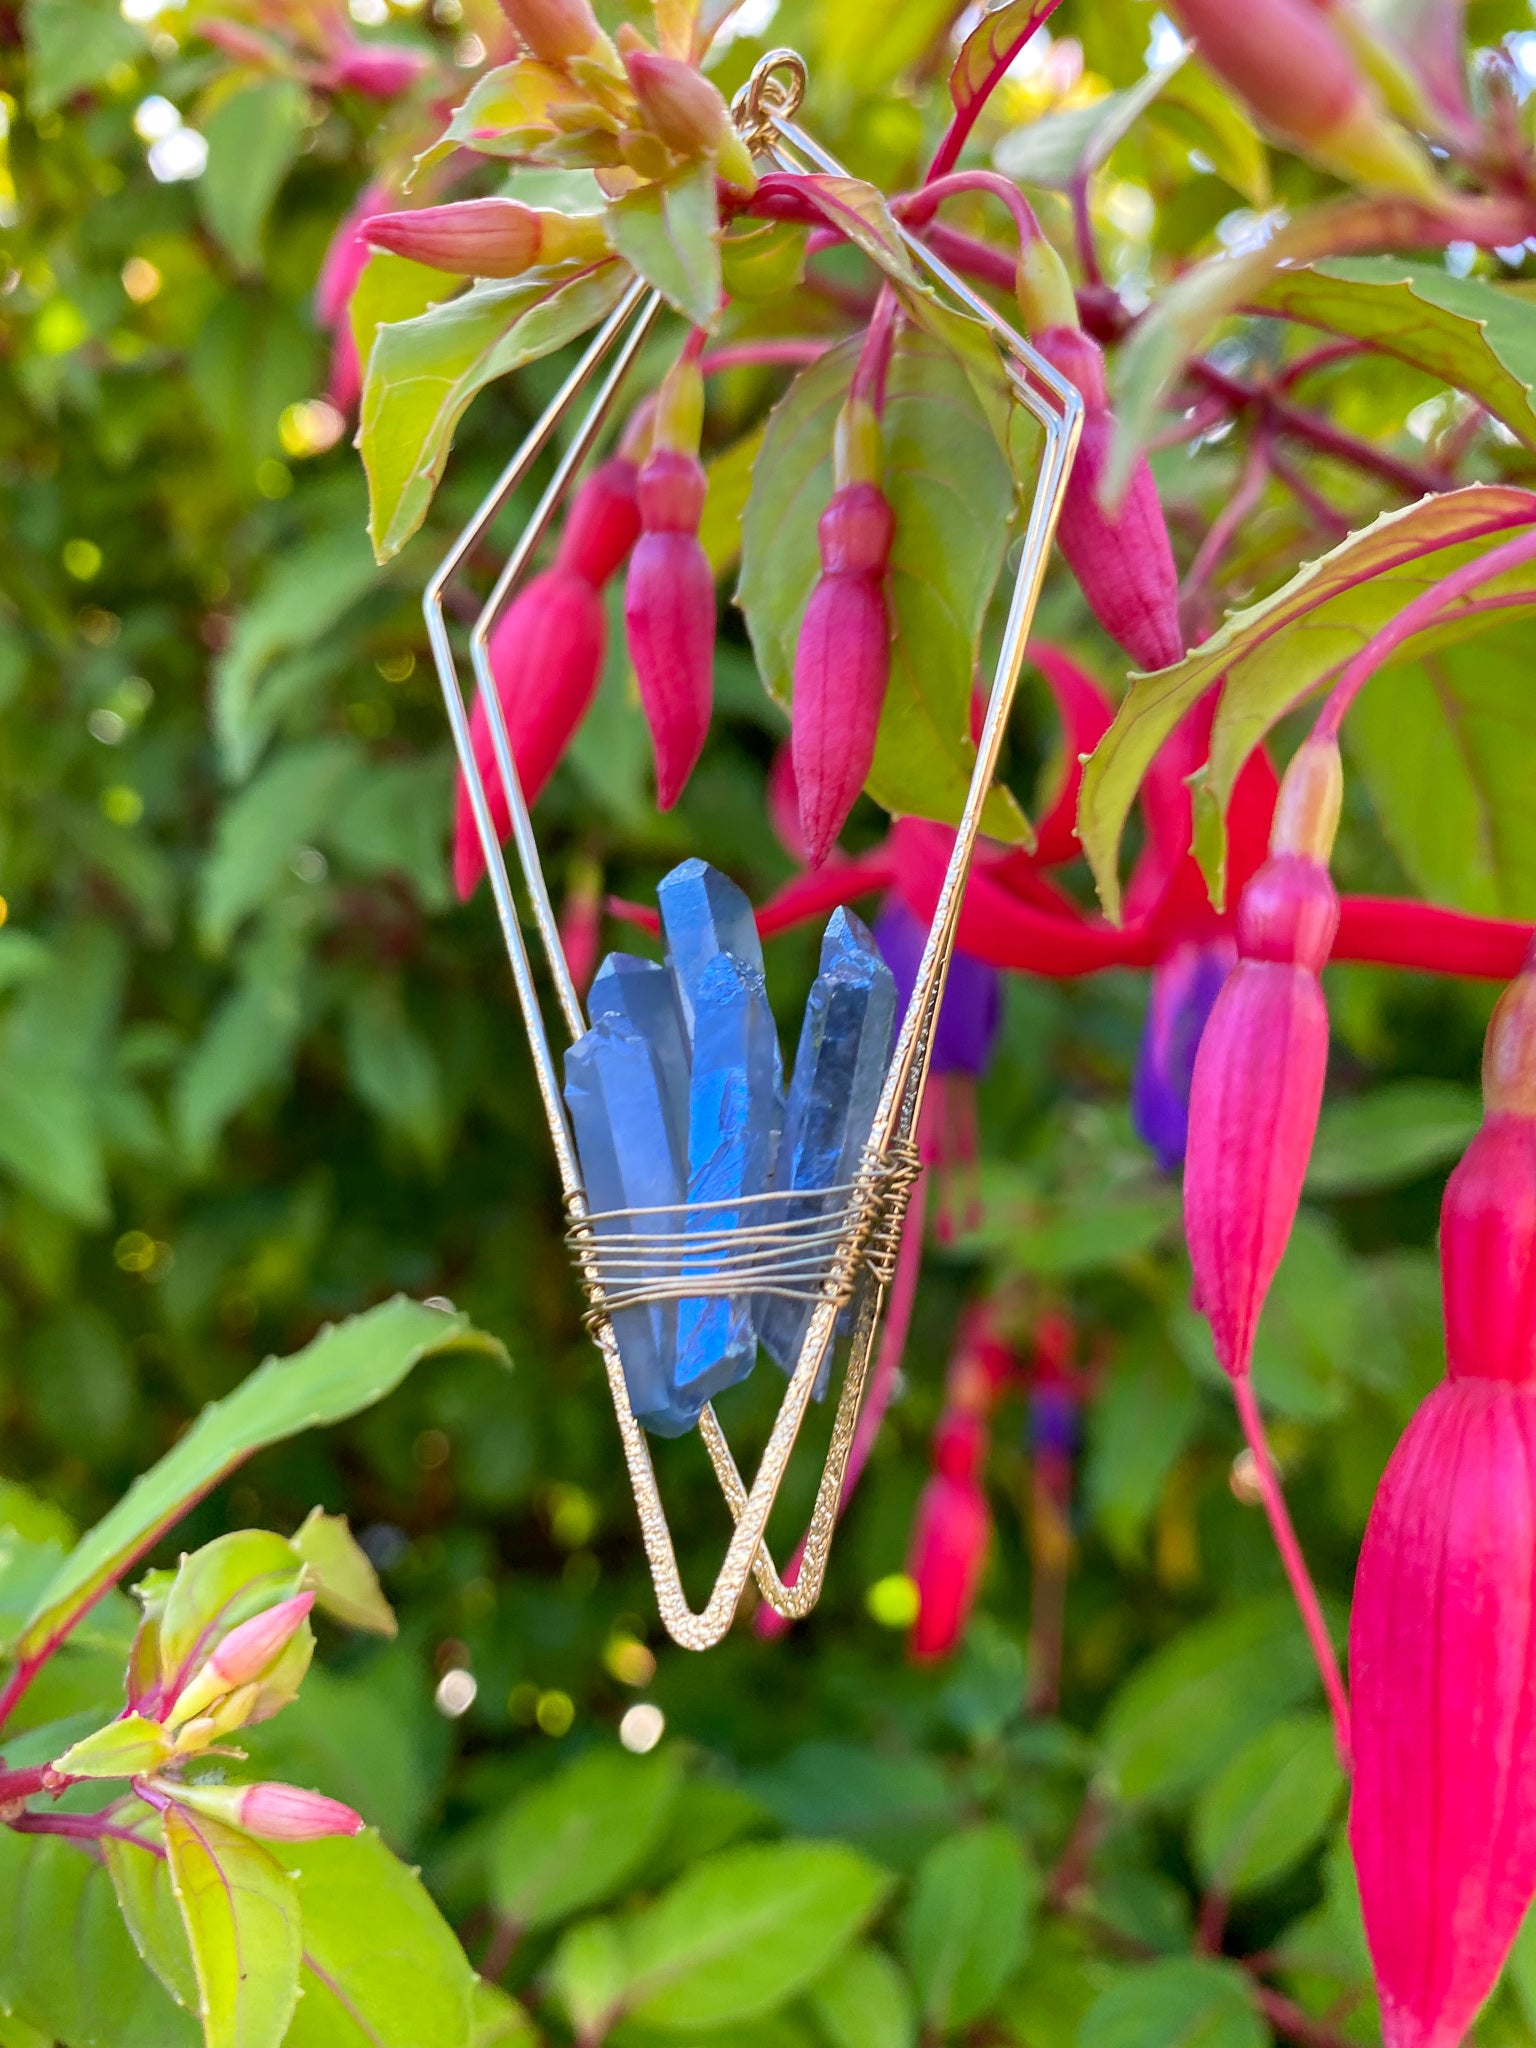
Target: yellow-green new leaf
[240, 1909]
[342, 1574]
[123, 1749]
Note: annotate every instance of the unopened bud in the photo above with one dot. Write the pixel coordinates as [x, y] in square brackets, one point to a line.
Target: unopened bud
[603, 523]
[381, 71]
[682, 107]
[277, 1813]
[1306, 819]
[555, 30]
[487, 237]
[669, 617]
[244, 1656]
[1044, 289]
[950, 1535]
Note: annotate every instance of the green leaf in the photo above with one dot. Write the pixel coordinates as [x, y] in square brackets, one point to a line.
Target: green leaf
[345, 1736]
[1462, 330]
[863, 2001]
[391, 288]
[423, 373]
[381, 1967]
[72, 44]
[130, 1748]
[390, 822]
[346, 1585]
[1446, 747]
[950, 541]
[1186, 2002]
[345, 1369]
[1270, 1806]
[49, 1139]
[1199, 111]
[1194, 1703]
[241, 1912]
[261, 829]
[67, 1965]
[498, 2021]
[967, 1923]
[1393, 1134]
[742, 1932]
[581, 1836]
[141, 1878]
[247, 1047]
[670, 233]
[587, 1975]
[301, 598]
[1277, 653]
[1059, 148]
[729, 476]
[862, 49]
[393, 1068]
[253, 138]
[1141, 1419]
[218, 1586]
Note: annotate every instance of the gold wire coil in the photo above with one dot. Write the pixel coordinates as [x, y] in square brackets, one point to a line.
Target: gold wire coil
[860, 1244]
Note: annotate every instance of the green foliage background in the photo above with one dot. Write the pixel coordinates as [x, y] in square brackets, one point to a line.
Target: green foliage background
[257, 1070]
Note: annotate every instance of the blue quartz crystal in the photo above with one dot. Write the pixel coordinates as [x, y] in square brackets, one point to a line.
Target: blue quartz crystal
[845, 1045]
[633, 1156]
[703, 914]
[644, 993]
[735, 1109]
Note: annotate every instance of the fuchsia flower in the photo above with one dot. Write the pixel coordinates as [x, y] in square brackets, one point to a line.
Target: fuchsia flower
[1443, 1631]
[950, 1536]
[546, 654]
[669, 598]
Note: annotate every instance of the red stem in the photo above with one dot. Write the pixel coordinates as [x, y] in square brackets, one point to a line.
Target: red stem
[875, 356]
[1420, 612]
[1393, 931]
[957, 134]
[1302, 1588]
[918, 208]
[794, 351]
[1322, 433]
[81, 1827]
[18, 1785]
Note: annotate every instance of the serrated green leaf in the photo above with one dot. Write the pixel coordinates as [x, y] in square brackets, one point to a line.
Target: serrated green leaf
[423, 373]
[381, 1967]
[1270, 1806]
[579, 1838]
[1275, 654]
[246, 1047]
[345, 1369]
[743, 1932]
[948, 550]
[1194, 1703]
[67, 1964]
[391, 289]
[1143, 1416]
[253, 137]
[967, 1923]
[1060, 147]
[670, 233]
[241, 1913]
[864, 2001]
[1465, 330]
[1186, 2002]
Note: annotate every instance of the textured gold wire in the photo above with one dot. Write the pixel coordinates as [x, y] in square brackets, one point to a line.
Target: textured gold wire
[863, 1247]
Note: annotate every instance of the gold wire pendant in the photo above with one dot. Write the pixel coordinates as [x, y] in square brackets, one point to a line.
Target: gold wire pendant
[864, 1239]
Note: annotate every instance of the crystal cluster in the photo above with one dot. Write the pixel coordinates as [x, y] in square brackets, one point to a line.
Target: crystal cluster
[676, 1096]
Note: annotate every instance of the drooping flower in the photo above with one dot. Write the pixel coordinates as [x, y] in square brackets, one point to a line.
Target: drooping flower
[1443, 1629]
[948, 1552]
[669, 598]
[1184, 989]
[843, 655]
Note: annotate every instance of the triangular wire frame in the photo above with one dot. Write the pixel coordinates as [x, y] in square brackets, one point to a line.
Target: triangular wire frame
[862, 1264]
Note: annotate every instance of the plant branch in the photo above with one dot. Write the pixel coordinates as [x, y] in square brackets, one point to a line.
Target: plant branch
[968, 112]
[1285, 418]
[1202, 571]
[916, 209]
[1302, 1588]
[81, 1827]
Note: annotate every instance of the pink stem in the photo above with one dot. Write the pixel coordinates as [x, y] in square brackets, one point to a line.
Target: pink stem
[875, 356]
[750, 355]
[1420, 612]
[916, 209]
[81, 1827]
[1302, 1588]
[957, 134]
[882, 1383]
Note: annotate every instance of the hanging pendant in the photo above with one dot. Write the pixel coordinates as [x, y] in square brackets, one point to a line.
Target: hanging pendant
[710, 1213]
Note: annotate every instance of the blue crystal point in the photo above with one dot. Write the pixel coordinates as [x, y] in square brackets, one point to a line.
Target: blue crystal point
[845, 1046]
[644, 994]
[703, 914]
[632, 1157]
[734, 1112]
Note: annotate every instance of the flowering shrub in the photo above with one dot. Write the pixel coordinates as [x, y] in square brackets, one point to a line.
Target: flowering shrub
[1101, 1738]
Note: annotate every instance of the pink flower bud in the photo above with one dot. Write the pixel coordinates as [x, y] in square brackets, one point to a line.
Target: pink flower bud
[669, 617]
[554, 29]
[244, 1656]
[842, 664]
[948, 1552]
[278, 1813]
[1123, 561]
[382, 71]
[1442, 1646]
[1258, 1078]
[469, 237]
[603, 523]
[546, 655]
[679, 104]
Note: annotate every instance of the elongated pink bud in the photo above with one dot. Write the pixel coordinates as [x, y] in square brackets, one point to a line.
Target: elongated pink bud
[381, 71]
[1443, 1631]
[554, 29]
[603, 523]
[1123, 561]
[948, 1553]
[842, 664]
[682, 107]
[244, 1656]
[546, 654]
[278, 1813]
[1297, 73]
[669, 617]
[487, 237]
[1258, 1078]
